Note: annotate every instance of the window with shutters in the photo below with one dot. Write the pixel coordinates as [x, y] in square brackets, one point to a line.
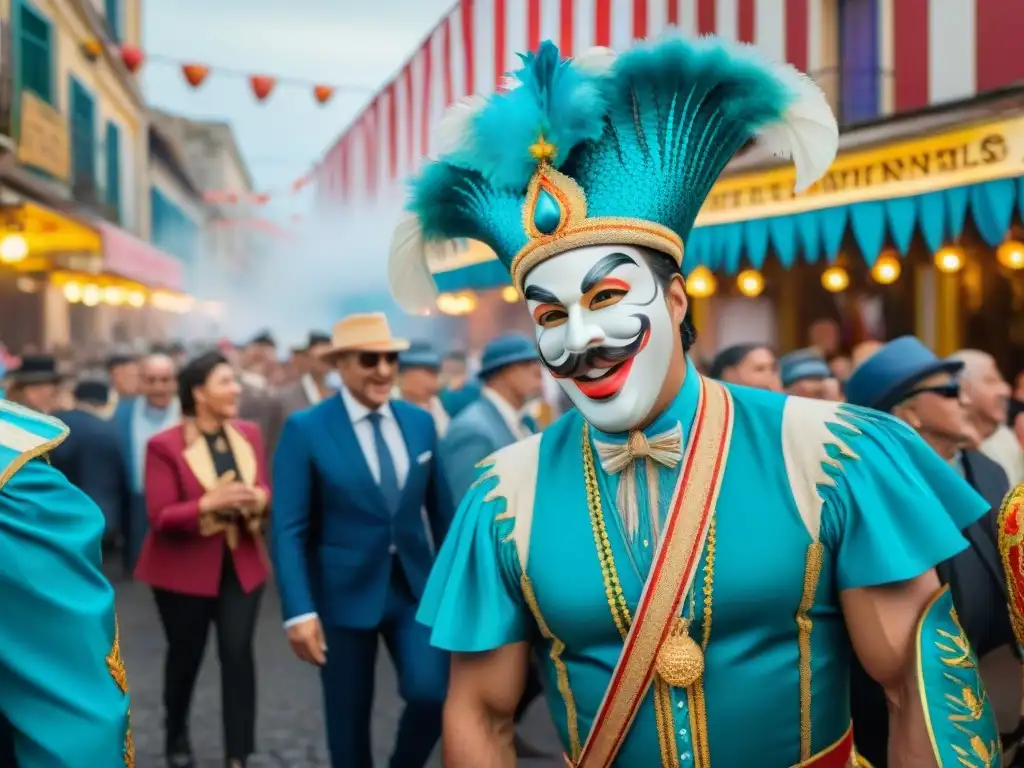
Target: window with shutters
[82, 119]
[113, 156]
[35, 53]
[112, 9]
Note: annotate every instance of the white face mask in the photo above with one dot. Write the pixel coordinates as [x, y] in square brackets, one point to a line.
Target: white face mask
[604, 330]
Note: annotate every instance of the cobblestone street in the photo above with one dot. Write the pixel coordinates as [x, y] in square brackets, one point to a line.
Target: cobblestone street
[290, 729]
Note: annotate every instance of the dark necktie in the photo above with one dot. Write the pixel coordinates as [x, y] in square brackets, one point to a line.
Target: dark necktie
[388, 475]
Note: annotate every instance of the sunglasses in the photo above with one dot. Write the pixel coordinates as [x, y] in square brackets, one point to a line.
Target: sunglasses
[949, 391]
[372, 359]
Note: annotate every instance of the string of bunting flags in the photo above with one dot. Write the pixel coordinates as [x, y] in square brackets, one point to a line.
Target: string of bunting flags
[196, 73]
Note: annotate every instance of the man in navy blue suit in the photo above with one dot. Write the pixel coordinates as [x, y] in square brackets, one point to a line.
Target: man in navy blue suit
[361, 506]
[92, 456]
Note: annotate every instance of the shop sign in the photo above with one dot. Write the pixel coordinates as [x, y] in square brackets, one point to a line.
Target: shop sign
[43, 139]
[952, 159]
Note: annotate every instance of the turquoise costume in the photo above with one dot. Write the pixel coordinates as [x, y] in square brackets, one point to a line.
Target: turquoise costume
[63, 687]
[815, 498]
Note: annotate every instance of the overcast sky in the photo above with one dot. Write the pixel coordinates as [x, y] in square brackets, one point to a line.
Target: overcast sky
[358, 43]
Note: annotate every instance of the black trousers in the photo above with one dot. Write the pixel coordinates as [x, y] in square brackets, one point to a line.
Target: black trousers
[186, 620]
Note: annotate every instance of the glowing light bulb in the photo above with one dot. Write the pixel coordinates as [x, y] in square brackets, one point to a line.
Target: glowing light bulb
[13, 248]
[750, 283]
[701, 283]
[835, 279]
[949, 259]
[886, 270]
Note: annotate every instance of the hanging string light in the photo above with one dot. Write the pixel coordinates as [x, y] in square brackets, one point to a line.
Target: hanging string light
[835, 279]
[887, 269]
[950, 259]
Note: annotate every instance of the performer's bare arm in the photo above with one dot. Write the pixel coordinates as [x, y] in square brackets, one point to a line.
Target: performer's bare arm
[882, 622]
[479, 713]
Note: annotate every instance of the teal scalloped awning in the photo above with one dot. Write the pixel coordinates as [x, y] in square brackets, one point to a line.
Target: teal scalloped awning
[817, 235]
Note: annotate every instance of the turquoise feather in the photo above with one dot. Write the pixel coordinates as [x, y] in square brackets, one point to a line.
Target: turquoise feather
[646, 139]
[554, 100]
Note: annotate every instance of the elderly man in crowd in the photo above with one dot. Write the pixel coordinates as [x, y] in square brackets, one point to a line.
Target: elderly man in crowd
[138, 419]
[988, 411]
[906, 379]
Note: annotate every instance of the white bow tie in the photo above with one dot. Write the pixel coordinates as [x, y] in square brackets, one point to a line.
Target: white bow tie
[664, 449]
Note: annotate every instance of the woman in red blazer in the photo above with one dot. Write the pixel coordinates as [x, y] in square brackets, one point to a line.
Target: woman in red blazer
[204, 556]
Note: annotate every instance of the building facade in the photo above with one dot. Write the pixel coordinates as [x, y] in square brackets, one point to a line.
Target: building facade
[76, 267]
[919, 224]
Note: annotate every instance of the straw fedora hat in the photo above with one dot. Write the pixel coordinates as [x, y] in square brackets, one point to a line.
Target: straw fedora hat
[364, 333]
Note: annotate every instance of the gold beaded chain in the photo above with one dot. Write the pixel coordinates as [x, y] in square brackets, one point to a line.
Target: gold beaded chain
[612, 586]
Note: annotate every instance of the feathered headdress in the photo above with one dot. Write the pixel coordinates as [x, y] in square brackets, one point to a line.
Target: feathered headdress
[603, 150]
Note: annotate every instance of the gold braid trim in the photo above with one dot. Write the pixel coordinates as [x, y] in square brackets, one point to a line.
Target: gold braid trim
[561, 672]
[664, 718]
[804, 625]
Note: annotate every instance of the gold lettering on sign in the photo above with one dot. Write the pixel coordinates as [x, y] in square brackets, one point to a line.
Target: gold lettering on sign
[860, 170]
[43, 140]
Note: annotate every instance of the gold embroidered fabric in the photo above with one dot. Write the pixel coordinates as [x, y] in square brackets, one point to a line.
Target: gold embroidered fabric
[622, 617]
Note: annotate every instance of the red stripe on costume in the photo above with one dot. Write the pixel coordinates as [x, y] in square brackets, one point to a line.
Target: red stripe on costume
[999, 30]
[910, 53]
[797, 23]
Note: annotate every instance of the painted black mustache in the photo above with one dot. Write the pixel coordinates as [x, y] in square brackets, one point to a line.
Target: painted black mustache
[580, 362]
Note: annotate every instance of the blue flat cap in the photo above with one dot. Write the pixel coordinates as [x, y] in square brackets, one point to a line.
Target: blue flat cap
[420, 355]
[888, 376]
[507, 350]
[802, 364]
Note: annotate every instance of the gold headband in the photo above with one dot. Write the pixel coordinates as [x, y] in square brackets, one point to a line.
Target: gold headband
[564, 205]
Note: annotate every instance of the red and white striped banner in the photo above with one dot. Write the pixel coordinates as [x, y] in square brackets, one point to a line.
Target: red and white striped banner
[905, 54]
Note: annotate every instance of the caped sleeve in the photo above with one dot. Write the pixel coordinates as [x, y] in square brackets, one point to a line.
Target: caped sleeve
[473, 601]
[894, 508]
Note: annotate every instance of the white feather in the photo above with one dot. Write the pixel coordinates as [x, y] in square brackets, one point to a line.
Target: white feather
[452, 130]
[595, 61]
[409, 276]
[807, 132]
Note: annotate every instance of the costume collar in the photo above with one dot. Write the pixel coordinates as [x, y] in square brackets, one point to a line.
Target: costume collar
[681, 411]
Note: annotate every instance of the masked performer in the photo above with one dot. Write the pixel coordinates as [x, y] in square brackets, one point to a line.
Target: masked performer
[64, 690]
[694, 561]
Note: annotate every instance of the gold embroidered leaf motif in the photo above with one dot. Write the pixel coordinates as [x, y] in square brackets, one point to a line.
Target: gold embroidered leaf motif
[129, 744]
[115, 663]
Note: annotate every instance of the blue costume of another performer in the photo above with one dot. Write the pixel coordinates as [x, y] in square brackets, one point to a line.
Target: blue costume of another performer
[64, 696]
[586, 180]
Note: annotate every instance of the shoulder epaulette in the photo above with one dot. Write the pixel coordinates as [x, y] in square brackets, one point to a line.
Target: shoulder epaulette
[25, 435]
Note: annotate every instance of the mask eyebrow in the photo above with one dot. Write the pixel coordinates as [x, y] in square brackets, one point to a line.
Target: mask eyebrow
[534, 293]
[603, 268]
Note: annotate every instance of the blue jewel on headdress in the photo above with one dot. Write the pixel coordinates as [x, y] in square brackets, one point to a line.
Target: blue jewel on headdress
[547, 213]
